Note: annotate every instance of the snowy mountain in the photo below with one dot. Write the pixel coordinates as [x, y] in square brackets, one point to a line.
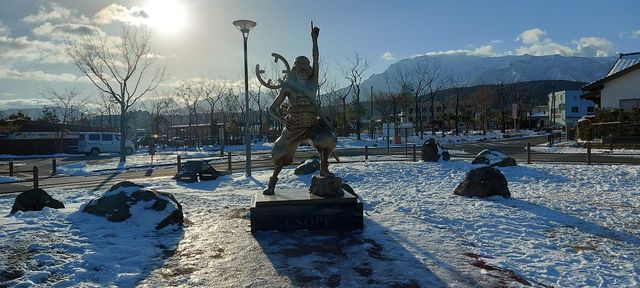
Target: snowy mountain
[492, 70]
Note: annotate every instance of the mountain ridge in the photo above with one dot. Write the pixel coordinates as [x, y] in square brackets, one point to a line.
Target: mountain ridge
[493, 70]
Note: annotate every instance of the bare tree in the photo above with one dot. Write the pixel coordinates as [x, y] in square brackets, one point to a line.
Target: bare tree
[158, 107]
[212, 93]
[353, 73]
[457, 84]
[106, 106]
[416, 81]
[66, 105]
[339, 95]
[482, 99]
[502, 92]
[124, 72]
[187, 91]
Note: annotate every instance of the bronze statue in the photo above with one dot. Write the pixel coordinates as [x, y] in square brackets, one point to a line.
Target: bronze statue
[304, 121]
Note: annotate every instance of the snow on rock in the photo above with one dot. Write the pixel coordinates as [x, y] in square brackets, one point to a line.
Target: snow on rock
[143, 208]
[493, 157]
[309, 166]
[432, 151]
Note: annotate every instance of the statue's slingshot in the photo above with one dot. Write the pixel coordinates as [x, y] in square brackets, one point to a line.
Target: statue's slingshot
[270, 83]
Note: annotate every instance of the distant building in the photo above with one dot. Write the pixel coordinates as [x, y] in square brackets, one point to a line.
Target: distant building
[540, 116]
[566, 107]
[619, 88]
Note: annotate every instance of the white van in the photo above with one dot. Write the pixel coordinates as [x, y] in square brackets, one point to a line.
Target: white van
[94, 143]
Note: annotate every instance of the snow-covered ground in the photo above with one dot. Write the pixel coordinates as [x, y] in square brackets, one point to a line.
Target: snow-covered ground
[8, 179]
[566, 226]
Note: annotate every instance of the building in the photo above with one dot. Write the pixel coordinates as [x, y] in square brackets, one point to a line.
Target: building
[619, 88]
[566, 107]
[539, 116]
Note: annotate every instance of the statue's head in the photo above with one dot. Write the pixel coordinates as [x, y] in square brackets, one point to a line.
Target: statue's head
[302, 67]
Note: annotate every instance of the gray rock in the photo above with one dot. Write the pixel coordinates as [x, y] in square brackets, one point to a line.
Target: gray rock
[483, 182]
[432, 151]
[116, 203]
[327, 187]
[34, 200]
[309, 166]
[493, 157]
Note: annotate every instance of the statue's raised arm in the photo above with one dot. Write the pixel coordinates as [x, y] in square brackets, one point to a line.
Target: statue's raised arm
[315, 31]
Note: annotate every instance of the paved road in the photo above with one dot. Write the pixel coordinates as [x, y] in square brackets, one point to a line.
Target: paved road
[515, 148]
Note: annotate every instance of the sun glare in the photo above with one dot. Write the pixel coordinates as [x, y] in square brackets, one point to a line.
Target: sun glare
[166, 16]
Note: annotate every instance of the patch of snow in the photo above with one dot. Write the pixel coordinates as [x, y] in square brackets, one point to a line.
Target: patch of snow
[8, 179]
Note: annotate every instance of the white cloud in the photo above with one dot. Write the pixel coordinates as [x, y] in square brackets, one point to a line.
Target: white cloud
[4, 30]
[55, 12]
[23, 103]
[547, 48]
[531, 36]
[66, 30]
[594, 46]
[635, 34]
[534, 43]
[388, 56]
[22, 49]
[8, 73]
[482, 51]
[151, 55]
[119, 13]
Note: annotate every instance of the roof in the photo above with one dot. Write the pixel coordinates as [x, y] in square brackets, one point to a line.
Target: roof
[626, 63]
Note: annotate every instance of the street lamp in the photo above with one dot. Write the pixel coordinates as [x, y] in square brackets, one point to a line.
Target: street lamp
[245, 26]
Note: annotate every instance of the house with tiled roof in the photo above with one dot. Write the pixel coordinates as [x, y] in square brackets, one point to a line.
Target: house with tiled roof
[620, 88]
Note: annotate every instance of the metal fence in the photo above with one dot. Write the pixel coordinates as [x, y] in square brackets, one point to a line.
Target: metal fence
[261, 160]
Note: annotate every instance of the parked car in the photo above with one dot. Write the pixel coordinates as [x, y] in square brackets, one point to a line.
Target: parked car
[94, 143]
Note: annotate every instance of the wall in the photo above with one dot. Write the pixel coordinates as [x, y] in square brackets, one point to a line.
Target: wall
[624, 87]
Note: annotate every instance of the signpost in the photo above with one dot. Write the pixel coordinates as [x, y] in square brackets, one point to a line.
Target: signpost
[514, 114]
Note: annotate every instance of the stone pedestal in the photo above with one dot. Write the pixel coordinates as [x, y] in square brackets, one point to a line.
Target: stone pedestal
[297, 209]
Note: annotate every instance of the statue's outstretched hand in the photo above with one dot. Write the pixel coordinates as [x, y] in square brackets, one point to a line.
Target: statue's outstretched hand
[315, 32]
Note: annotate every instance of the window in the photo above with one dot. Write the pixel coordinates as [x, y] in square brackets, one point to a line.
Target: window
[81, 137]
[107, 137]
[574, 109]
[591, 109]
[94, 137]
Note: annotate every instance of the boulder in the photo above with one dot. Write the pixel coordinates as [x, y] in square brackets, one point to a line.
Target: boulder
[327, 187]
[492, 157]
[483, 182]
[34, 200]
[432, 151]
[127, 200]
[309, 166]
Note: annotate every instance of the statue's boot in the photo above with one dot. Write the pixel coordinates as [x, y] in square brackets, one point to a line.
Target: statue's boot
[270, 190]
[324, 169]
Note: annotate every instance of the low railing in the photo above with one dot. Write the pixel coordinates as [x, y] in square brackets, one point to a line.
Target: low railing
[410, 152]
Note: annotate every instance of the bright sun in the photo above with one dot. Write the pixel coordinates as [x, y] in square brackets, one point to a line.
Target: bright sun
[166, 16]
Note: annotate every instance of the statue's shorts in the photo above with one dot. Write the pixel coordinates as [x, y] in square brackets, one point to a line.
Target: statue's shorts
[320, 136]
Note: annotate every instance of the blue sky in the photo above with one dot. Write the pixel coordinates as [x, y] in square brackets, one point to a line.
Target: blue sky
[195, 38]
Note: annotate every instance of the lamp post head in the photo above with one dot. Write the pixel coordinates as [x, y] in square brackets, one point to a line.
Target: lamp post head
[244, 26]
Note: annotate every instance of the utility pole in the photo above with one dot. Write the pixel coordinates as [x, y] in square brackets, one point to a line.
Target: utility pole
[371, 122]
[553, 103]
